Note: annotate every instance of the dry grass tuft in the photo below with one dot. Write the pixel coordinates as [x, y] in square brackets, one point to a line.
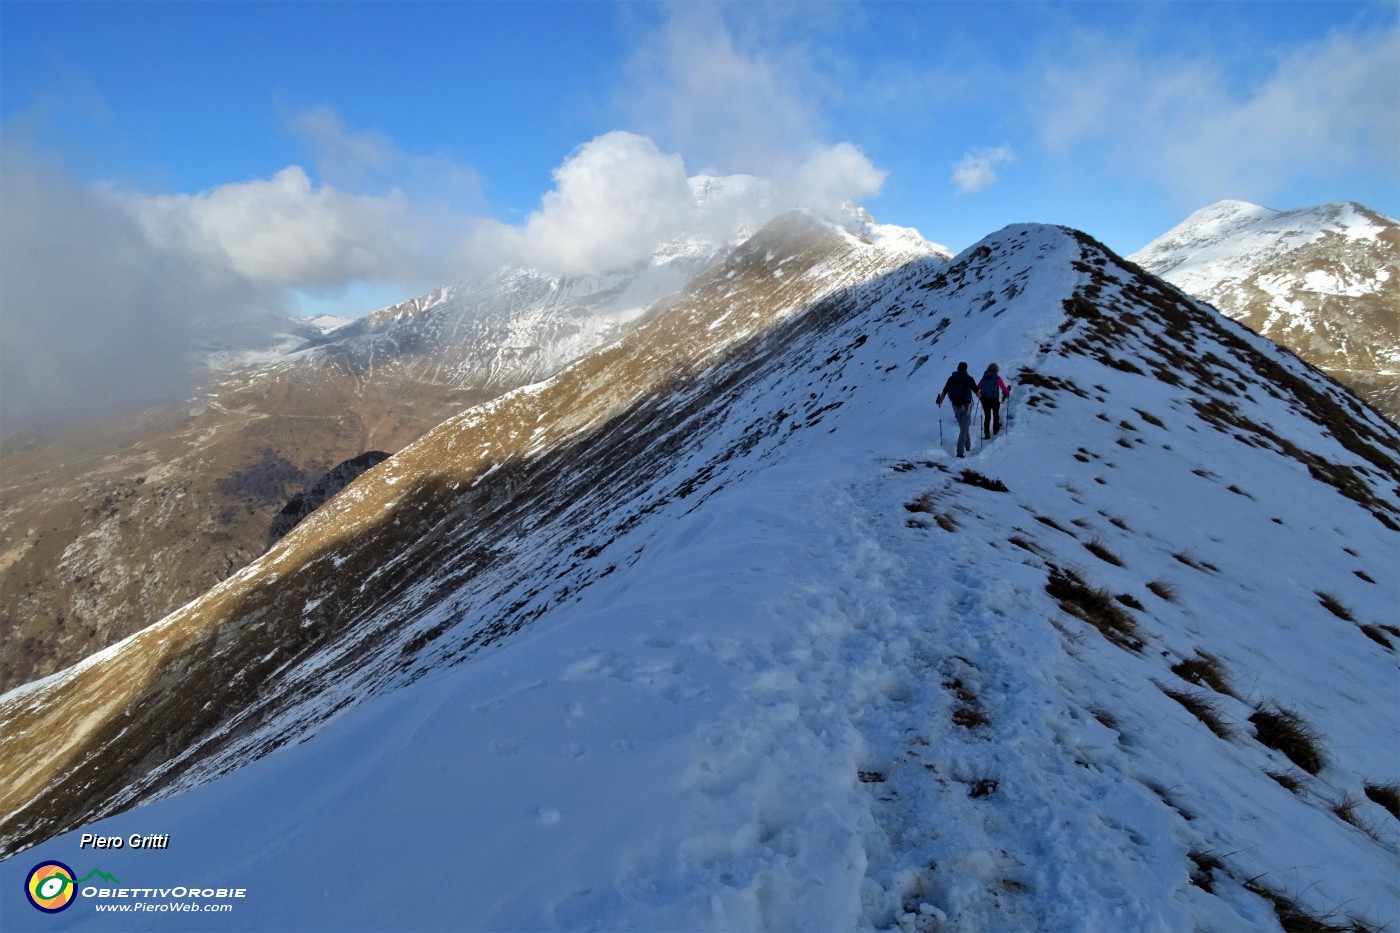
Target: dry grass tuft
[1105, 718]
[973, 478]
[1023, 543]
[1203, 708]
[1294, 919]
[969, 713]
[1196, 563]
[1097, 548]
[1094, 606]
[1387, 795]
[1345, 809]
[1332, 605]
[1204, 875]
[1162, 590]
[1204, 670]
[1115, 521]
[1149, 418]
[927, 505]
[1377, 635]
[1286, 780]
[922, 504]
[1285, 731]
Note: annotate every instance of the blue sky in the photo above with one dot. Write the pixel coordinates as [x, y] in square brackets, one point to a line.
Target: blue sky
[341, 156]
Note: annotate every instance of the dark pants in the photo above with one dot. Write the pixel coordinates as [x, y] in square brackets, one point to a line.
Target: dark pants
[963, 413]
[991, 416]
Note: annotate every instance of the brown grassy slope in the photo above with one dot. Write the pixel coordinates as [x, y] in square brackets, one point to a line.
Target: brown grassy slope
[107, 528]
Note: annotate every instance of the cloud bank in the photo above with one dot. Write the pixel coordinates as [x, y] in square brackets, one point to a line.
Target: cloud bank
[93, 315]
[104, 292]
[614, 199]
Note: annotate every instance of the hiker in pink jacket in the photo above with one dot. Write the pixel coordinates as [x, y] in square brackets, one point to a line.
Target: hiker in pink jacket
[991, 390]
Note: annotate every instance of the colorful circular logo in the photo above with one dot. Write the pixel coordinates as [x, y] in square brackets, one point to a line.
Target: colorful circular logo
[50, 887]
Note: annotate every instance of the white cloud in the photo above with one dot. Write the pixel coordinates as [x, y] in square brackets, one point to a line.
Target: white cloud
[737, 106]
[833, 175]
[614, 199]
[978, 169]
[285, 232]
[105, 294]
[617, 197]
[1320, 110]
[104, 290]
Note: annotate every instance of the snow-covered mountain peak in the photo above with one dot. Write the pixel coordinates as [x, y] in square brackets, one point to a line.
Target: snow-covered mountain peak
[1191, 254]
[888, 236]
[1323, 281]
[720, 635]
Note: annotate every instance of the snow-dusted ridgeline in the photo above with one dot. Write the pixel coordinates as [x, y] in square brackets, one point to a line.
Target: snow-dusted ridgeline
[756, 653]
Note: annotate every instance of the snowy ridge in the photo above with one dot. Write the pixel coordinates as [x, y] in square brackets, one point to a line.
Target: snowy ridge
[753, 652]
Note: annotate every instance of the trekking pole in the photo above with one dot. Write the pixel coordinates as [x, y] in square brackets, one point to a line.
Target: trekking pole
[940, 425]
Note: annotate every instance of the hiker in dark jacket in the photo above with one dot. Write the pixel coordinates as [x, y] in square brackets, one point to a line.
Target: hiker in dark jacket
[959, 389]
[992, 390]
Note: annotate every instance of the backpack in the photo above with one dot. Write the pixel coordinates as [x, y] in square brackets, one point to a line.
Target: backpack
[988, 387]
[960, 387]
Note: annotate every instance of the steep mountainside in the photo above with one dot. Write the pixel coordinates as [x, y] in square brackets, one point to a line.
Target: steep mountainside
[1323, 281]
[708, 631]
[107, 529]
